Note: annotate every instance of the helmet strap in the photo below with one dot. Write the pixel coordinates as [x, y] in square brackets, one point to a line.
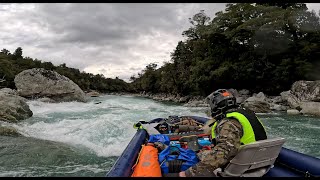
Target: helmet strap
[219, 116]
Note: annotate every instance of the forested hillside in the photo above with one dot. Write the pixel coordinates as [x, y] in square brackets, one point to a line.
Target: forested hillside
[256, 46]
[13, 64]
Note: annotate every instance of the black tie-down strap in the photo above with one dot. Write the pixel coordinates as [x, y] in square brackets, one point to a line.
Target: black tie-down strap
[175, 165]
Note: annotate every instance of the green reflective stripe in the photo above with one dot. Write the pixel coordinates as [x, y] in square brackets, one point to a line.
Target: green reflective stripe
[213, 135]
[248, 134]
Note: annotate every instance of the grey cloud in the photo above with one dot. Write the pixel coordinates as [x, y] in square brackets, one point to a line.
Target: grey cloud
[110, 35]
[105, 23]
[89, 23]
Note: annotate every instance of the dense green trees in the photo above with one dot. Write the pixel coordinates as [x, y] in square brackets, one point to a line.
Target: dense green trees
[17, 53]
[256, 46]
[12, 64]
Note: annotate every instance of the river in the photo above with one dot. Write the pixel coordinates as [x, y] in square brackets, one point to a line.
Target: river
[85, 139]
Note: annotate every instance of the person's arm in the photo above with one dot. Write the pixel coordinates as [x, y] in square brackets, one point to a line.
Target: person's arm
[228, 138]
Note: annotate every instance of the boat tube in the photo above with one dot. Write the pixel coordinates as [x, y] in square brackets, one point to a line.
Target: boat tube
[288, 164]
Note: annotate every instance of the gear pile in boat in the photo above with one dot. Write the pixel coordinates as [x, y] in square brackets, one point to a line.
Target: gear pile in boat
[176, 150]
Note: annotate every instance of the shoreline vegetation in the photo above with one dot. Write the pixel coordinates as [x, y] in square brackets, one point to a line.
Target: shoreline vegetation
[267, 54]
[302, 98]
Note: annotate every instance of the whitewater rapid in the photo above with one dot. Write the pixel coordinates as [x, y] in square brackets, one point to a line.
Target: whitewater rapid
[85, 139]
[105, 128]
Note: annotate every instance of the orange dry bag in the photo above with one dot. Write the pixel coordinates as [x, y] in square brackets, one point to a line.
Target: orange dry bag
[148, 165]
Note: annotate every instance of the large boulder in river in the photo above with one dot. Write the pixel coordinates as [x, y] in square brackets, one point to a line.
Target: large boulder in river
[257, 103]
[310, 108]
[13, 108]
[38, 82]
[306, 90]
[304, 96]
[290, 98]
[257, 106]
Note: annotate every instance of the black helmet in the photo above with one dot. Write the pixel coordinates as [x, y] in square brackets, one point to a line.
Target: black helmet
[220, 101]
[163, 128]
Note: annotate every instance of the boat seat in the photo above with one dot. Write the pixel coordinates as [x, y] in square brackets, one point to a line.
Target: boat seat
[254, 159]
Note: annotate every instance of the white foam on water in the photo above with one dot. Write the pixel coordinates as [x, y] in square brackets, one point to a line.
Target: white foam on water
[105, 128]
[42, 108]
[103, 134]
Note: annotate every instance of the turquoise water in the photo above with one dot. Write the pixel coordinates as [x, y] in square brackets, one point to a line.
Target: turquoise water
[85, 139]
[301, 132]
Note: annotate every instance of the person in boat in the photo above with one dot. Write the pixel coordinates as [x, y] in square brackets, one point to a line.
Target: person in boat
[164, 128]
[231, 127]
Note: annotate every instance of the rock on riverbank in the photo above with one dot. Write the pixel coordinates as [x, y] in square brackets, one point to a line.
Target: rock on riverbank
[39, 83]
[13, 108]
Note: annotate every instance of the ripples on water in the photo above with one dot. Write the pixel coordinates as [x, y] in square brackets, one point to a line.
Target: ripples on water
[301, 132]
[91, 136]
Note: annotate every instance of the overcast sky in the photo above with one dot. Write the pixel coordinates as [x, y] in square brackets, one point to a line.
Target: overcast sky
[110, 39]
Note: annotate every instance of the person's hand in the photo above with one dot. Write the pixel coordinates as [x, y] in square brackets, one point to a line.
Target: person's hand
[182, 174]
[160, 146]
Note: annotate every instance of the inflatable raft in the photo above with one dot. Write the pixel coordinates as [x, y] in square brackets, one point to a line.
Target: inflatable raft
[288, 163]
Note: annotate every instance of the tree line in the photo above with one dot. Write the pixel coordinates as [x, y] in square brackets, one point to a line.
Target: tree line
[256, 46]
[12, 64]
